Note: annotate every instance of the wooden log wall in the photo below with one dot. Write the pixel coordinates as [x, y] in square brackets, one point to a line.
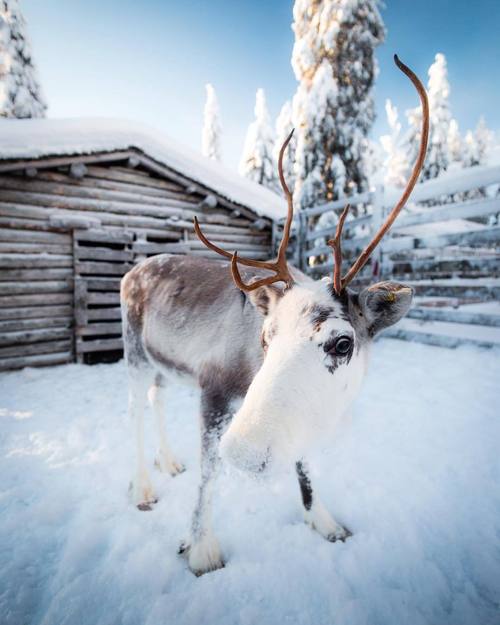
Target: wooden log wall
[71, 228]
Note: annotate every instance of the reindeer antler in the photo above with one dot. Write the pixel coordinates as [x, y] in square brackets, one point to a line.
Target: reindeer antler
[279, 266]
[340, 283]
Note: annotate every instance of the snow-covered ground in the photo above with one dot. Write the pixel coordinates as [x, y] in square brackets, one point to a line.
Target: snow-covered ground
[415, 475]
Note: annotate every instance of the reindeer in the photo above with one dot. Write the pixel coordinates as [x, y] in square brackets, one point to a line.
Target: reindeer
[295, 354]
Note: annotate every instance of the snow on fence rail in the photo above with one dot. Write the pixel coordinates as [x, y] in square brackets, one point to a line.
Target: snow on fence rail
[448, 252]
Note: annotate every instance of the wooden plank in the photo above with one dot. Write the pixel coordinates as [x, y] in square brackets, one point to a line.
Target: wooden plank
[48, 286]
[104, 236]
[147, 247]
[330, 231]
[98, 297]
[80, 302]
[45, 162]
[457, 210]
[31, 236]
[62, 219]
[158, 236]
[88, 267]
[257, 255]
[477, 237]
[34, 336]
[35, 247]
[137, 171]
[100, 329]
[101, 314]
[112, 174]
[36, 311]
[99, 345]
[454, 316]
[84, 252]
[7, 364]
[44, 299]
[35, 260]
[167, 209]
[61, 273]
[88, 191]
[172, 189]
[198, 245]
[450, 264]
[71, 222]
[258, 238]
[181, 224]
[36, 348]
[353, 200]
[102, 284]
[30, 224]
[457, 288]
[465, 180]
[13, 325]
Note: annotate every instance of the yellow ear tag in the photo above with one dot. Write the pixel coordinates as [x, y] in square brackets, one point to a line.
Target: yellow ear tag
[391, 297]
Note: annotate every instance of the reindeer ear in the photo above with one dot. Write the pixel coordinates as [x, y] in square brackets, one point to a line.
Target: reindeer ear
[265, 298]
[383, 304]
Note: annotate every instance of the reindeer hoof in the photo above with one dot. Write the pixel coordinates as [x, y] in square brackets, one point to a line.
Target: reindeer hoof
[142, 494]
[169, 465]
[147, 506]
[341, 534]
[203, 557]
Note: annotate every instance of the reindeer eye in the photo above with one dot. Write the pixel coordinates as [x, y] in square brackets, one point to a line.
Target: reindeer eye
[342, 346]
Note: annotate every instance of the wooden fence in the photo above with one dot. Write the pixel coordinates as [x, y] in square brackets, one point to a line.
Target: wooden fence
[449, 252]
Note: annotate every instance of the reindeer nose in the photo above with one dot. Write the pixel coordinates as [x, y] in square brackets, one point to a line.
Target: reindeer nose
[244, 455]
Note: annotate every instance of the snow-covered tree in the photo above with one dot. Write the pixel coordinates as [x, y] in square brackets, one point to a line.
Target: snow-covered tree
[257, 161]
[20, 92]
[477, 144]
[284, 127]
[395, 164]
[333, 60]
[455, 147]
[210, 136]
[438, 157]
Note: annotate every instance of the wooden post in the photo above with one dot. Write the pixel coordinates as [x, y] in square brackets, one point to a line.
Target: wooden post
[301, 241]
[81, 318]
[378, 201]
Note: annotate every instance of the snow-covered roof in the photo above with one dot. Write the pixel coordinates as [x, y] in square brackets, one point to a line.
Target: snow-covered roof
[35, 138]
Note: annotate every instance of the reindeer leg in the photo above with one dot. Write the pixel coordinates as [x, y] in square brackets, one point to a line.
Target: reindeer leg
[165, 460]
[315, 513]
[141, 488]
[203, 551]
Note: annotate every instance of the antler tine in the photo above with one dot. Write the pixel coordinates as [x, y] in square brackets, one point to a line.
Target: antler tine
[337, 251]
[289, 199]
[279, 265]
[215, 248]
[365, 254]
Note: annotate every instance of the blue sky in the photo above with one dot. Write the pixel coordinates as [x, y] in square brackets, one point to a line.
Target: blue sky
[149, 60]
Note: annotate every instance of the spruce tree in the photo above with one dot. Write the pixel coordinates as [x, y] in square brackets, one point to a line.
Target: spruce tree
[455, 147]
[395, 163]
[438, 157]
[333, 60]
[257, 161]
[284, 127]
[20, 92]
[210, 137]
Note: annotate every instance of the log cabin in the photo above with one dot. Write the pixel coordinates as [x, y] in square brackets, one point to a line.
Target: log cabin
[82, 201]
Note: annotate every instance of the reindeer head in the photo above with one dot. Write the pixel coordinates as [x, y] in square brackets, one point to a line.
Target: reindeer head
[315, 336]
